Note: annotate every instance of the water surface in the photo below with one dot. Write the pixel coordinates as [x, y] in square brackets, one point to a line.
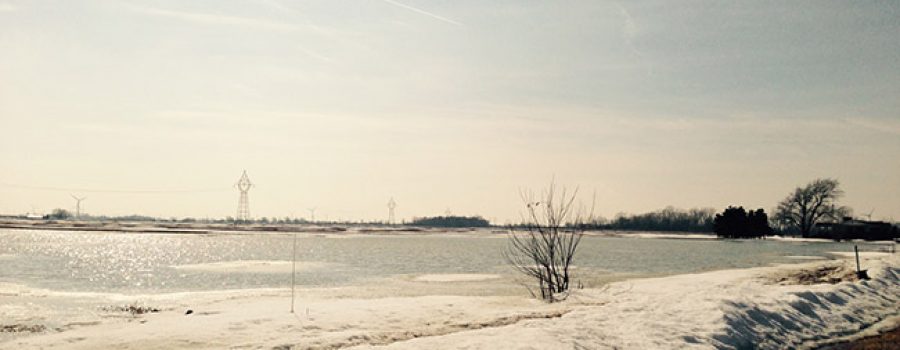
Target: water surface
[149, 263]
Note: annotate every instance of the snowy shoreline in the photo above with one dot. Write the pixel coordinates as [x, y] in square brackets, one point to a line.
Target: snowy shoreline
[726, 309]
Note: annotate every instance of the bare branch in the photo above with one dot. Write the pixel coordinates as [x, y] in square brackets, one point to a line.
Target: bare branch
[543, 247]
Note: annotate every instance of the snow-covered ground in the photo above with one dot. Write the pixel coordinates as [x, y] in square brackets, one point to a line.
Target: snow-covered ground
[728, 309]
[456, 277]
[255, 266]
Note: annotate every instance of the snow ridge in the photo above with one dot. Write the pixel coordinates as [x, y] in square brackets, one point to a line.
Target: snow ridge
[809, 318]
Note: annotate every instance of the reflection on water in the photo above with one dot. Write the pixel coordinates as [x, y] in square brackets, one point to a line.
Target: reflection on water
[152, 263]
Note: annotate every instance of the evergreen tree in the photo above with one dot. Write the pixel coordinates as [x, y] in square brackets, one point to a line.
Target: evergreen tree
[735, 222]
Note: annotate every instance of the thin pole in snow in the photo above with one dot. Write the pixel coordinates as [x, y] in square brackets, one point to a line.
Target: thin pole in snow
[856, 251]
[293, 270]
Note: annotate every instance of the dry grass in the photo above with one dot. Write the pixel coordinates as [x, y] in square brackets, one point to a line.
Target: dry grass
[824, 274]
[133, 309]
[22, 328]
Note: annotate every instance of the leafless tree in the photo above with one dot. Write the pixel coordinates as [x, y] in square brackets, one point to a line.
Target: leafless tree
[543, 247]
[810, 204]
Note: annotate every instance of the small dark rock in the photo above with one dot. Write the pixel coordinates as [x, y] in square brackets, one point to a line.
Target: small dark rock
[189, 312]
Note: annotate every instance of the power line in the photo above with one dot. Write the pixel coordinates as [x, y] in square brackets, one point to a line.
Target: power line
[97, 190]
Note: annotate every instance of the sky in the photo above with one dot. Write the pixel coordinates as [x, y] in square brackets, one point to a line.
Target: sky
[156, 107]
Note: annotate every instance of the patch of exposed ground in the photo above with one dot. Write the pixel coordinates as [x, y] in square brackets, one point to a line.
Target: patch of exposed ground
[133, 309]
[830, 274]
[885, 341]
[22, 328]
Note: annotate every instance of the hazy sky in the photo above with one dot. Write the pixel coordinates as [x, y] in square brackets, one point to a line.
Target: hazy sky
[445, 105]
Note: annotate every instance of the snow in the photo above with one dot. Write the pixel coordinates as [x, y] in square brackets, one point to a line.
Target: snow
[455, 277]
[861, 254]
[726, 309]
[655, 235]
[254, 266]
[798, 239]
[805, 257]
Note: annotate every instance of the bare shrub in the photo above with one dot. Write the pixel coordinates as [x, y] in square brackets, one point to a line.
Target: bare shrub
[543, 247]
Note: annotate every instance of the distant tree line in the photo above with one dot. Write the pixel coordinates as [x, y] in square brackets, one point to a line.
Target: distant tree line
[63, 214]
[667, 219]
[58, 214]
[133, 217]
[451, 221]
[811, 210]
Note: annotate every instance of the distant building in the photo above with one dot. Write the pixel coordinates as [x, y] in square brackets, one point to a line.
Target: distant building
[850, 228]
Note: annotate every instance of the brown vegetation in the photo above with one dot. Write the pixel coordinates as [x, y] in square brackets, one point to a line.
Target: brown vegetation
[885, 341]
[832, 274]
[22, 328]
[133, 309]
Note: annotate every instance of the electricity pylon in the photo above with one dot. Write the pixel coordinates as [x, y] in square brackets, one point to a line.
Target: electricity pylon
[391, 205]
[312, 214]
[243, 210]
[78, 205]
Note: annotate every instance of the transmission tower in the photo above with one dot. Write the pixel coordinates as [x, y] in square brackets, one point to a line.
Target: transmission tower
[312, 214]
[391, 205]
[243, 210]
[78, 205]
[869, 215]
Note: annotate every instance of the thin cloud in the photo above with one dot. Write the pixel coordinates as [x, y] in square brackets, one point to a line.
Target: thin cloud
[216, 19]
[314, 54]
[277, 5]
[629, 30]
[294, 12]
[888, 126]
[207, 18]
[429, 14]
[7, 7]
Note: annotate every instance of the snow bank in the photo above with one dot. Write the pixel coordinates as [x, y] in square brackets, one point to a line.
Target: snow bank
[455, 277]
[862, 254]
[653, 235]
[798, 239]
[805, 257]
[734, 309]
[254, 266]
[810, 317]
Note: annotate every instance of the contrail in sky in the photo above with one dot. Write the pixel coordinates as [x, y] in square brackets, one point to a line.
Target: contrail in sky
[629, 29]
[429, 14]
